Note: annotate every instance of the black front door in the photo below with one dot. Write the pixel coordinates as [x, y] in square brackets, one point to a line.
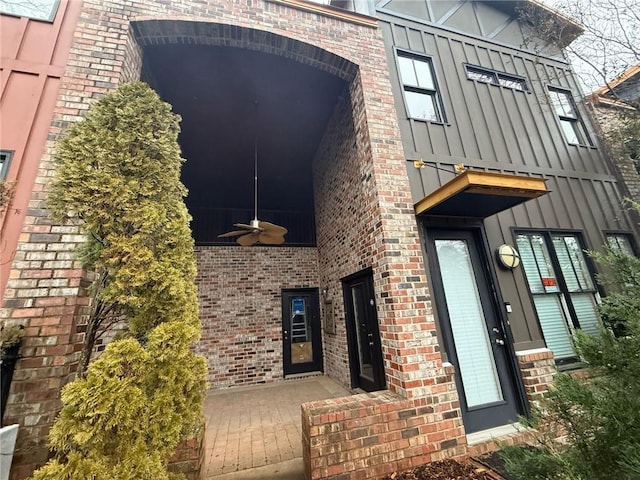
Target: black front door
[301, 336]
[363, 335]
[474, 338]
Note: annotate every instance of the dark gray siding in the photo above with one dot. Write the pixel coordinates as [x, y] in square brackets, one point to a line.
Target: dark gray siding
[499, 129]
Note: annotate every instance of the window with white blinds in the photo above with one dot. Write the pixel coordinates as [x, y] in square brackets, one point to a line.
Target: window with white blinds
[473, 347]
[562, 287]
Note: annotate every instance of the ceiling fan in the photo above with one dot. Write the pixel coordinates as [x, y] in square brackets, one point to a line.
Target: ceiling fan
[257, 231]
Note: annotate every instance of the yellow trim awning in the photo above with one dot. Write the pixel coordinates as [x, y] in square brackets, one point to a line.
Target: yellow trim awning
[480, 194]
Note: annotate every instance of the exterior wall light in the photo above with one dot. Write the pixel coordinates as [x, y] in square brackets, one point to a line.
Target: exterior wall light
[508, 256]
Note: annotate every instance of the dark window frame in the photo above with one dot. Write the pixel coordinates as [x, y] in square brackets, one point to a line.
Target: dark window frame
[563, 288]
[625, 234]
[496, 77]
[434, 93]
[6, 163]
[575, 121]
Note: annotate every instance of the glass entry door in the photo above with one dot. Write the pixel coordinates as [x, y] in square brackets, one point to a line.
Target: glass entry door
[301, 336]
[474, 337]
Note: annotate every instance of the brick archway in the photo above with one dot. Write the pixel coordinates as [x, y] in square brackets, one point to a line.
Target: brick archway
[158, 32]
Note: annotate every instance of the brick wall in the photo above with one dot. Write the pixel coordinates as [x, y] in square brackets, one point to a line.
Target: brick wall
[537, 368]
[363, 204]
[365, 218]
[239, 290]
[370, 435]
[44, 293]
[608, 120]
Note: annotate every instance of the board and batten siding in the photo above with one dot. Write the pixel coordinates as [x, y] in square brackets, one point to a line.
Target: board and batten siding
[497, 129]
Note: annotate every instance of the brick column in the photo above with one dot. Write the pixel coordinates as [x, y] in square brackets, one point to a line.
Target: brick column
[537, 368]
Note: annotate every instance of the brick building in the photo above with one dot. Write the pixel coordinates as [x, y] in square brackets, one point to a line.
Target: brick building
[359, 115]
[611, 104]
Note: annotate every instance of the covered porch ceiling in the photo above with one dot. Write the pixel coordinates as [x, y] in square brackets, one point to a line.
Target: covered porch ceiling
[228, 97]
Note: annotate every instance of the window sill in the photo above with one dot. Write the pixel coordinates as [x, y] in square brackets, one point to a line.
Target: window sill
[570, 365]
[433, 122]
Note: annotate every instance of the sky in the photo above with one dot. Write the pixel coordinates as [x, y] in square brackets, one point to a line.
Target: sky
[611, 42]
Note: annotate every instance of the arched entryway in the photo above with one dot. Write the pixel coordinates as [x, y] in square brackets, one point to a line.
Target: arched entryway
[246, 94]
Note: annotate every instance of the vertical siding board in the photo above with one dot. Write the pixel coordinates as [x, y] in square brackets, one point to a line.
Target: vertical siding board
[507, 103]
[415, 41]
[66, 10]
[559, 204]
[400, 38]
[593, 218]
[466, 142]
[13, 32]
[526, 134]
[479, 115]
[533, 214]
[444, 135]
[38, 44]
[605, 195]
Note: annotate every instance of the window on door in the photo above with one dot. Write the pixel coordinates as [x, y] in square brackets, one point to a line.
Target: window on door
[420, 88]
[562, 288]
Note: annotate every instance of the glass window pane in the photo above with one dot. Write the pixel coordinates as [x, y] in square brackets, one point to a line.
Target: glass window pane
[620, 243]
[554, 325]
[515, 83]
[473, 346]
[537, 264]
[481, 76]
[301, 346]
[571, 131]
[425, 76]
[422, 106]
[572, 263]
[562, 103]
[5, 160]
[585, 306]
[407, 72]
[529, 264]
[44, 10]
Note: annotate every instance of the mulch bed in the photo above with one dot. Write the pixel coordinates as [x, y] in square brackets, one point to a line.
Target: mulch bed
[466, 469]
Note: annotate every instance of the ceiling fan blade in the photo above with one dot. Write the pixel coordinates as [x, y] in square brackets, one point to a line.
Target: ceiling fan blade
[247, 227]
[269, 238]
[248, 239]
[272, 228]
[234, 233]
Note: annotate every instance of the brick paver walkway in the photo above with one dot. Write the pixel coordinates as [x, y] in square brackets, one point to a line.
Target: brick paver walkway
[253, 427]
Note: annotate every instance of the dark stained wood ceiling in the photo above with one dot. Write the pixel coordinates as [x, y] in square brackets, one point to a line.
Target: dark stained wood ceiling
[227, 96]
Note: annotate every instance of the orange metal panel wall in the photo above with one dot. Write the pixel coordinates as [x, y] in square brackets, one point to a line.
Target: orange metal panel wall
[33, 59]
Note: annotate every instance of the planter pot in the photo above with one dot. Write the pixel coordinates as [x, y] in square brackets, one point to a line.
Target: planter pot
[8, 437]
